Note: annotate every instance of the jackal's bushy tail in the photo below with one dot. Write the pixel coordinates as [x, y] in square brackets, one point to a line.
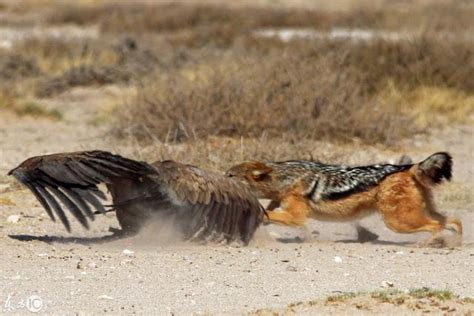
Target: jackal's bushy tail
[434, 169]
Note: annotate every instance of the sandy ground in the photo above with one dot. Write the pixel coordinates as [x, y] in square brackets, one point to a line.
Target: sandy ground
[83, 272]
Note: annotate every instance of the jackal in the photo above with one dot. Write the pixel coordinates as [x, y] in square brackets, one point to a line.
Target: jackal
[401, 193]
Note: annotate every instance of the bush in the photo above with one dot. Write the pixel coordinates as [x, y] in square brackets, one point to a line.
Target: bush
[278, 97]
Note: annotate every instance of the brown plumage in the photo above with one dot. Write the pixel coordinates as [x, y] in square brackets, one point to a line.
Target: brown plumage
[202, 205]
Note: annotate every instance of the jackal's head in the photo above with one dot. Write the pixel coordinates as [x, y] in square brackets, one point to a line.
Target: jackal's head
[258, 176]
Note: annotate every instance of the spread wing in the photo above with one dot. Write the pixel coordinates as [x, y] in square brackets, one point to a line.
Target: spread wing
[71, 179]
[214, 207]
[205, 205]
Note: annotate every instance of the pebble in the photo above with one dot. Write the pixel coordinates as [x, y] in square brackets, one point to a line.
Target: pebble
[105, 297]
[13, 218]
[126, 261]
[92, 265]
[128, 252]
[386, 284]
[337, 259]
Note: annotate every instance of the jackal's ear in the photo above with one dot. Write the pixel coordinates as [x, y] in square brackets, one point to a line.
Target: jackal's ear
[260, 170]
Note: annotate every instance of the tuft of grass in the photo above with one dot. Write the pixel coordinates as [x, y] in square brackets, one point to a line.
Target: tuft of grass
[395, 296]
[54, 56]
[37, 110]
[27, 108]
[341, 297]
[431, 106]
[424, 292]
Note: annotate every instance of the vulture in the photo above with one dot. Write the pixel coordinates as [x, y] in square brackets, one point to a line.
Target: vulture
[202, 205]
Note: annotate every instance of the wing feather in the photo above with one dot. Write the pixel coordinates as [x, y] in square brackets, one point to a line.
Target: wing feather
[41, 199]
[219, 207]
[71, 179]
[207, 206]
[83, 206]
[56, 207]
[70, 205]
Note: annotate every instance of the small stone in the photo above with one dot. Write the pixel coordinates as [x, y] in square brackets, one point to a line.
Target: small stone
[129, 253]
[386, 284]
[337, 259]
[126, 261]
[291, 268]
[92, 265]
[13, 219]
[105, 297]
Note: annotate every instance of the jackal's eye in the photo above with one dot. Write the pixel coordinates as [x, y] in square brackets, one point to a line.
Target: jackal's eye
[261, 177]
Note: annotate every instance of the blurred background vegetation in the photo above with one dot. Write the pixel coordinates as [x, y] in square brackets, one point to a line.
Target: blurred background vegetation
[374, 72]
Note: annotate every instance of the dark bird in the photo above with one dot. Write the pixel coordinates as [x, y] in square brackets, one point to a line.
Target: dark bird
[202, 205]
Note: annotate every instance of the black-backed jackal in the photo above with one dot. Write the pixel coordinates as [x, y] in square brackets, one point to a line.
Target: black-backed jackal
[401, 193]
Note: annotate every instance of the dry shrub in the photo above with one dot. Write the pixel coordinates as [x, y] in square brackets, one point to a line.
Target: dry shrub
[274, 97]
[56, 55]
[427, 60]
[16, 66]
[125, 61]
[317, 90]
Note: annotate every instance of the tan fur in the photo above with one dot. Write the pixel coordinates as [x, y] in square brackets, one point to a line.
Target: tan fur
[405, 203]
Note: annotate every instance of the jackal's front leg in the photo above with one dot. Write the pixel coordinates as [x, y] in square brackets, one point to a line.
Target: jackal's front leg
[293, 211]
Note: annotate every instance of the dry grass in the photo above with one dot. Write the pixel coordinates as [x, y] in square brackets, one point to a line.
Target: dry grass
[26, 108]
[319, 90]
[15, 66]
[54, 56]
[64, 65]
[279, 97]
[395, 296]
[211, 76]
[432, 106]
